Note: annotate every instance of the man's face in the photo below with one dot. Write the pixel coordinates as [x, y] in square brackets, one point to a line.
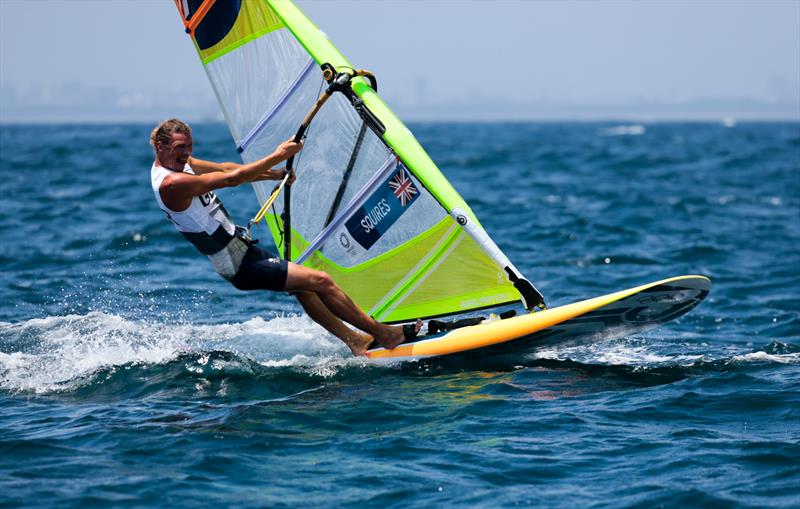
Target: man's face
[175, 154]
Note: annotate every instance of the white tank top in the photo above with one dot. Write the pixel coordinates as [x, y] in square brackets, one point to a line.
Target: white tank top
[206, 224]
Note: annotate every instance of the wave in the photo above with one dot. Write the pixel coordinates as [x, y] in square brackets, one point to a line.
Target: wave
[635, 351]
[62, 352]
[70, 353]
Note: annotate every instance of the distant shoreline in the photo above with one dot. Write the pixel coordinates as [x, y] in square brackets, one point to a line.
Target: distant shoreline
[725, 121]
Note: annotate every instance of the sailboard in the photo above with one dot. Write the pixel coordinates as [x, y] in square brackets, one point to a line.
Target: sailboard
[607, 317]
[369, 206]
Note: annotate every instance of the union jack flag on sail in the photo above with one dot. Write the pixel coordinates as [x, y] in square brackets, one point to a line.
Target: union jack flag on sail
[402, 187]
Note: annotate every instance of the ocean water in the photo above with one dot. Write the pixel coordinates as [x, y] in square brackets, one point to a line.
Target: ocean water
[132, 376]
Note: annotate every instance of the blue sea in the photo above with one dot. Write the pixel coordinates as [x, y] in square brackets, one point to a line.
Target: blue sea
[132, 376]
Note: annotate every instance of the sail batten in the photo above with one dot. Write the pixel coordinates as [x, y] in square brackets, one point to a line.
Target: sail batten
[405, 244]
[262, 124]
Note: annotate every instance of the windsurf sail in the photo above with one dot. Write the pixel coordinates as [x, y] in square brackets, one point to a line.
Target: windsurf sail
[369, 206]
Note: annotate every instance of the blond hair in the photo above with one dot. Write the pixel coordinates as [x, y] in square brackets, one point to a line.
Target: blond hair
[164, 131]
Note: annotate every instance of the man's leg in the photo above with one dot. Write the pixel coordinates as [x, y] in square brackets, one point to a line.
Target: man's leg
[305, 279]
[356, 341]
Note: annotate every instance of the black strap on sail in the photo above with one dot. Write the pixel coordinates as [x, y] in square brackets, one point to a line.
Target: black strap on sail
[346, 177]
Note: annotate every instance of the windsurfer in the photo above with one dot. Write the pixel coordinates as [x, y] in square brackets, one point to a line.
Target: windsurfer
[184, 188]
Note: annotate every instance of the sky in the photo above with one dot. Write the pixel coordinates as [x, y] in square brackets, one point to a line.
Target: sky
[130, 60]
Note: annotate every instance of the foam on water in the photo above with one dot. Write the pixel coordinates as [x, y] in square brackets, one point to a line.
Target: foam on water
[58, 353]
[787, 358]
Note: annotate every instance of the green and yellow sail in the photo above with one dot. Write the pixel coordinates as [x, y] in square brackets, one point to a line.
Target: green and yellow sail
[369, 206]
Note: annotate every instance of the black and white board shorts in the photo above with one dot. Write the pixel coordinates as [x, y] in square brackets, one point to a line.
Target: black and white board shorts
[261, 270]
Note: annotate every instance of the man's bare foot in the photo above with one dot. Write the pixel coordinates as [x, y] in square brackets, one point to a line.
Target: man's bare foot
[358, 343]
[395, 335]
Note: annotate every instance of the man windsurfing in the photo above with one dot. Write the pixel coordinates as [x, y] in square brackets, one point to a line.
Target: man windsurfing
[184, 189]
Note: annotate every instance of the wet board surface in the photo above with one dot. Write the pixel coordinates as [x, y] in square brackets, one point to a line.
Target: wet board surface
[606, 317]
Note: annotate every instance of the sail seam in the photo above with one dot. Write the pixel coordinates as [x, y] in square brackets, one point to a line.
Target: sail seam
[238, 44]
[357, 200]
[282, 100]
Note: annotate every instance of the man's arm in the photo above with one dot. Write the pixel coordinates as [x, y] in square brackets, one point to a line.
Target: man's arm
[178, 189]
[201, 167]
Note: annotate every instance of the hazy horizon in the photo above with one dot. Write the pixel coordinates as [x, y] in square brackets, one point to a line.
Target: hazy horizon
[504, 61]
